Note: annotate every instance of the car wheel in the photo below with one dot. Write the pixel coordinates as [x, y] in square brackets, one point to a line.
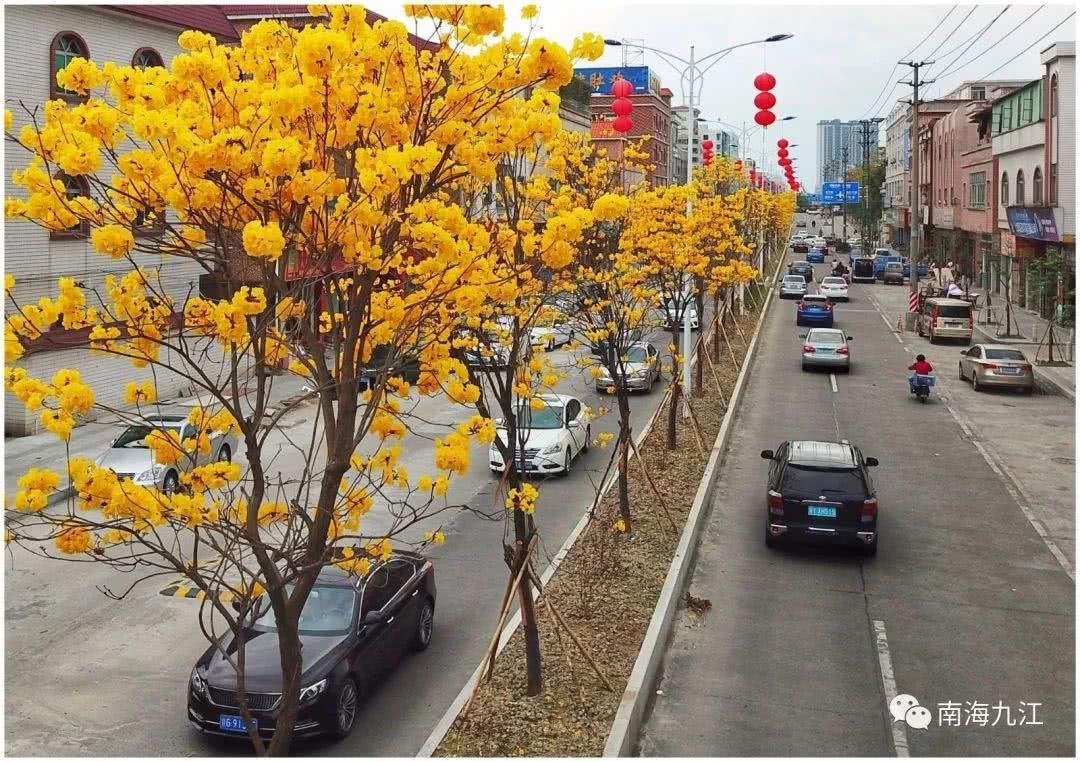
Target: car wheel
[960, 369]
[770, 541]
[567, 460]
[425, 626]
[345, 705]
[933, 339]
[588, 439]
[601, 389]
[225, 454]
[975, 381]
[171, 483]
[551, 345]
[870, 550]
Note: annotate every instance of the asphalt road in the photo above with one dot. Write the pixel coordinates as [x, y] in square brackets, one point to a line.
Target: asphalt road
[965, 601]
[86, 675]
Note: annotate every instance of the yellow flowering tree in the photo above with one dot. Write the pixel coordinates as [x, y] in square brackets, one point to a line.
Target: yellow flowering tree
[613, 298]
[315, 177]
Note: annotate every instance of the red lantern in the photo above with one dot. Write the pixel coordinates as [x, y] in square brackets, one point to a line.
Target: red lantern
[782, 153]
[764, 81]
[764, 118]
[621, 88]
[622, 106]
[781, 143]
[623, 124]
[738, 165]
[707, 144]
[765, 100]
[785, 162]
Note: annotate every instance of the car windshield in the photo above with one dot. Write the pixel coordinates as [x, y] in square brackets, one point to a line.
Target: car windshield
[894, 266]
[637, 354]
[794, 280]
[825, 337]
[133, 436]
[953, 311]
[1005, 354]
[328, 610]
[815, 300]
[548, 417]
[836, 482]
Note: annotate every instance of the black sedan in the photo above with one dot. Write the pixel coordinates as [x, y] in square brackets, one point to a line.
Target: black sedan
[804, 269]
[352, 632]
[821, 491]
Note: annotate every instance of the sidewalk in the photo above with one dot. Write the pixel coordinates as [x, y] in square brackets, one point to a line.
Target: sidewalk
[46, 450]
[1031, 332]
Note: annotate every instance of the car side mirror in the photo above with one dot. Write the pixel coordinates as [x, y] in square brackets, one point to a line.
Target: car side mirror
[113, 442]
[373, 618]
[850, 338]
[803, 335]
[768, 455]
[573, 425]
[871, 462]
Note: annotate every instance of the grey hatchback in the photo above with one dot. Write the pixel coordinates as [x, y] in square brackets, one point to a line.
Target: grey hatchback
[826, 348]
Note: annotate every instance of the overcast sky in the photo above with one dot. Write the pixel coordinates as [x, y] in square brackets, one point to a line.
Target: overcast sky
[835, 66]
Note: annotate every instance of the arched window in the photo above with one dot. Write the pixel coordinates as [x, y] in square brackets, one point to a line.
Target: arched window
[1004, 188]
[145, 58]
[1036, 187]
[1053, 95]
[66, 47]
[73, 186]
[1019, 187]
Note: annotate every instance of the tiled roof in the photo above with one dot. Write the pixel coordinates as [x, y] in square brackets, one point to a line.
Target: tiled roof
[205, 18]
[272, 11]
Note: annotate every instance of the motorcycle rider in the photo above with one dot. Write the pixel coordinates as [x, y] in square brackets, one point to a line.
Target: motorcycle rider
[921, 366]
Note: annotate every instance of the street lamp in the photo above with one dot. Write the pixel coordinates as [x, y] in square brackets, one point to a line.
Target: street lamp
[688, 73]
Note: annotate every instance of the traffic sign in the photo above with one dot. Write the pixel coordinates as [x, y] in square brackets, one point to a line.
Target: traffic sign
[840, 193]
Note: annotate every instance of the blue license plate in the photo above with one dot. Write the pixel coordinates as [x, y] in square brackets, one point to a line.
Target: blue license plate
[821, 511]
[1010, 371]
[233, 723]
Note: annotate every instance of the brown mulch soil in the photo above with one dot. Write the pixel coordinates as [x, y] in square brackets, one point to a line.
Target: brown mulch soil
[606, 590]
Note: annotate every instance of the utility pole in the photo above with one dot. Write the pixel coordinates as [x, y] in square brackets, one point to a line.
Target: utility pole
[916, 207]
[843, 185]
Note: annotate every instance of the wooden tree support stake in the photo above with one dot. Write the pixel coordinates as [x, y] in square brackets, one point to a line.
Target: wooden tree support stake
[490, 653]
[742, 335]
[697, 429]
[727, 342]
[716, 380]
[574, 637]
[648, 478]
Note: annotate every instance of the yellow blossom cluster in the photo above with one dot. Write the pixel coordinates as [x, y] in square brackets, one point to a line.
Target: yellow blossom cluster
[35, 486]
[522, 499]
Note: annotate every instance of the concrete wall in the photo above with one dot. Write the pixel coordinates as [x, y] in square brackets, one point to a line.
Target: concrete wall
[35, 260]
[1063, 136]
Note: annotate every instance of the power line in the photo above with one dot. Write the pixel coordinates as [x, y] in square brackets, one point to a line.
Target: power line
[1001, 39]
[971, 41]
[954, 31]
[1029, 47]
[917, 45]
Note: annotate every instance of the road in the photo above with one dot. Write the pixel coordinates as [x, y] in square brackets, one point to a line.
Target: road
[965, 602]
[89, 676]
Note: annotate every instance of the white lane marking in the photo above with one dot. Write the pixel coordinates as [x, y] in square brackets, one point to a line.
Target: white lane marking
[1018, 494]
[888, 682]
[832, 380]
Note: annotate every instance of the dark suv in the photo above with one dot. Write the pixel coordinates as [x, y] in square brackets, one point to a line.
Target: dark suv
[821, 490]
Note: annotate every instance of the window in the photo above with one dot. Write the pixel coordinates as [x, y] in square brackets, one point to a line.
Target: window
[1036, 187]
[73, 186]
[977, 191]
[1053, 95]
[66, 47]
[1027, 101]
[145, 58]
[978, 93]
[1004, 188]
[1053, 185]
[1019, 187]
[384, 583]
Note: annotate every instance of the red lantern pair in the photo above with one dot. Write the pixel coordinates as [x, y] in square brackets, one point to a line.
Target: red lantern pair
[622, 106]
[764, 100]
[706, 152]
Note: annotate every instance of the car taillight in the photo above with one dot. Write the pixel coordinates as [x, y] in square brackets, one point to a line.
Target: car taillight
[828, 305]
[869, 510]
[990, 366]
[776, 503]
[808, 348]
[842, 351]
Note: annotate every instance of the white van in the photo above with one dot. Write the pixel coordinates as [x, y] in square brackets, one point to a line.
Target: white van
[942, 318]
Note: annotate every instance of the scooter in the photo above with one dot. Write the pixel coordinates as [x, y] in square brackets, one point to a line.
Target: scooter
[920, 384]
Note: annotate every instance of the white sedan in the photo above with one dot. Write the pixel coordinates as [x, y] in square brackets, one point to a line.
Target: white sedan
[550, 336]
[834, 287]
[548, 439]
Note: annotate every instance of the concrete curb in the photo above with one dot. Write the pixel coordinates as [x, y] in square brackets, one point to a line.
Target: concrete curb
[442, 727]
[627, 724]
[1043, 381]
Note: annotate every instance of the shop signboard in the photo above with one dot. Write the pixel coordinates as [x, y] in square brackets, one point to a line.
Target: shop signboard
[1033, 222]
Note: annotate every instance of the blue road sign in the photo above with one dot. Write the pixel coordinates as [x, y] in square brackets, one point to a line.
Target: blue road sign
[840, 193]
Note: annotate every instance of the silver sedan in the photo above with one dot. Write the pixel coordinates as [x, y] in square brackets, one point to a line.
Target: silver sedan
[793, 287]
[826, 348]
[996, 365]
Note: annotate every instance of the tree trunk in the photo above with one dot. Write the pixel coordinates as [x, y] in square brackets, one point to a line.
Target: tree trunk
[291, 663]
[716, 328]
[522, 532]
[624, 445]
[699, 372]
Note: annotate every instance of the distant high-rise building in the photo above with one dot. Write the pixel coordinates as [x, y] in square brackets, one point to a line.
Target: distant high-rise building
[833, 136]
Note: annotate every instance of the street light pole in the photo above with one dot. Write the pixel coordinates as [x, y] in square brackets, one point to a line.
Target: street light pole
[691, 73]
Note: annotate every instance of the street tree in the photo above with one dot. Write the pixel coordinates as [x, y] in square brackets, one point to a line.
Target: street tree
[314, 176]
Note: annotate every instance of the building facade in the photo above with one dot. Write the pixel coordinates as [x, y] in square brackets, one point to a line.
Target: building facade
[40, 39]
[1059, 79]
[685, 128]
[839, 147]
